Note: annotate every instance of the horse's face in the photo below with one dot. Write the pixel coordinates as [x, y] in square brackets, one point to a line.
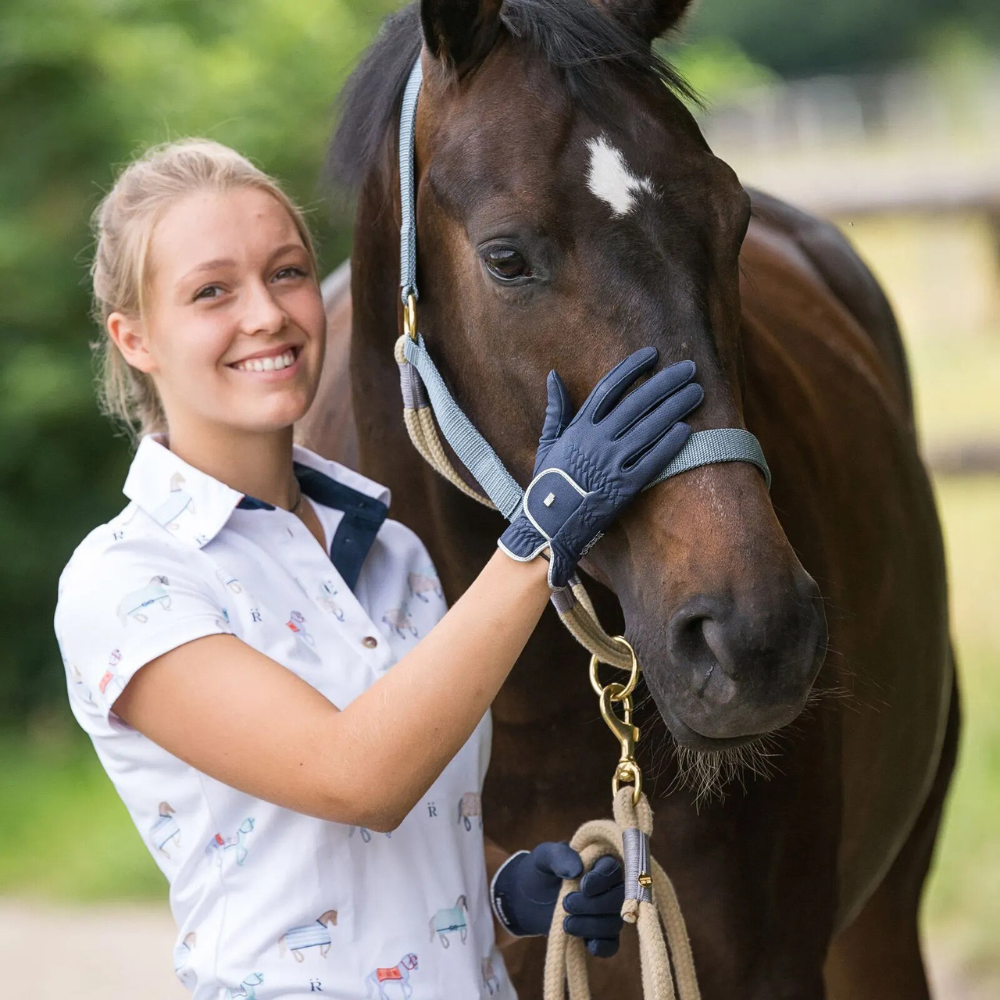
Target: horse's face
[560, 232]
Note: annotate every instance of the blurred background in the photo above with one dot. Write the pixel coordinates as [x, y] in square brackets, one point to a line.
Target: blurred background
[884, 117]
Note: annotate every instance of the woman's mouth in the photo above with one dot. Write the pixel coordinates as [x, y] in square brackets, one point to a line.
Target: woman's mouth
[270, 363]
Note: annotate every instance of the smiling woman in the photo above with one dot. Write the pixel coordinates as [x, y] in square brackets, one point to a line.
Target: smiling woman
[264, 661]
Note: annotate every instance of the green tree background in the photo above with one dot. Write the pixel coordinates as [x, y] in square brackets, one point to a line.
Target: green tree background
[84, 84]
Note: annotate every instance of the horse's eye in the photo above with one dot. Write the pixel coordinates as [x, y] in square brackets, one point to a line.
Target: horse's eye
[505, 263]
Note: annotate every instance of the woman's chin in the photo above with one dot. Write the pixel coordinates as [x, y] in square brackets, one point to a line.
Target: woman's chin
[266, 416]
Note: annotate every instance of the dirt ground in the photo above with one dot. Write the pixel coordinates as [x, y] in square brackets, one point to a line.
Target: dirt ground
[123, 953]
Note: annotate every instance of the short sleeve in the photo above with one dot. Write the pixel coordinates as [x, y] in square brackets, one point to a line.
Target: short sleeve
[121, 605]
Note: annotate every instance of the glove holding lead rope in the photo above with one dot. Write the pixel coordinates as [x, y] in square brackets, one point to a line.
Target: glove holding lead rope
[526, 888]
[588, 468]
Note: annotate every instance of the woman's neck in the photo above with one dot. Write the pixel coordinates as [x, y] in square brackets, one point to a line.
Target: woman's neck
[257, 464]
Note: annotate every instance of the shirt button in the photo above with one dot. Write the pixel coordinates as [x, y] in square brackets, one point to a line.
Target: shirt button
[369, 642]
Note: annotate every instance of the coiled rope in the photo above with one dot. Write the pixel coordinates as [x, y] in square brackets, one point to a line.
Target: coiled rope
[666, 962]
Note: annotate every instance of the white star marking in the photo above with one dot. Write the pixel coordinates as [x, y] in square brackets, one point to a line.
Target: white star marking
[610, 179]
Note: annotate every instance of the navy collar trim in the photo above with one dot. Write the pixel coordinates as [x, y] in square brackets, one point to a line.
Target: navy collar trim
[355, 535]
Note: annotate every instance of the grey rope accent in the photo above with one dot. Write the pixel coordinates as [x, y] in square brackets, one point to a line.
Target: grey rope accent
[408, 230]
[635, 860]
[412, 387]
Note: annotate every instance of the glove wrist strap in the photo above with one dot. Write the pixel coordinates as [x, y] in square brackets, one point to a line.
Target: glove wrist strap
[498, 902]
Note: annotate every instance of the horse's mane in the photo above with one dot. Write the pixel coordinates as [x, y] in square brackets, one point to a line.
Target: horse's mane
[579, 38]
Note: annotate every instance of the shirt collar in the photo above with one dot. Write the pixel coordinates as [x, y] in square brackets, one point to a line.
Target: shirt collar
[193, 506]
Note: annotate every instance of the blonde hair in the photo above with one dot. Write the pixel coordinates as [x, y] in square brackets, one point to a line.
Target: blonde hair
[123, 225]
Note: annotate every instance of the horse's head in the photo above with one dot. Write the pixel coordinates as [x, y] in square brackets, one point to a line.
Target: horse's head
[569, 212]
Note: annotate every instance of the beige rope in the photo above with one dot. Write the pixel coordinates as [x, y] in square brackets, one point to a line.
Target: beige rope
[423, 433]
[666, 975]
[582, 622]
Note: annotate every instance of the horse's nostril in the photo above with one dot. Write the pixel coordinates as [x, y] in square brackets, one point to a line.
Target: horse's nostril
[743, 668]
[696, 640]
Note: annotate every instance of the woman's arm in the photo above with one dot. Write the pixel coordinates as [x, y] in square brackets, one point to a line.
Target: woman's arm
[241, 717]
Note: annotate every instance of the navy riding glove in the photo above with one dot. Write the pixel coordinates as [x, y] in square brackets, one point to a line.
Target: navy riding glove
[591, 466]
[525, 890]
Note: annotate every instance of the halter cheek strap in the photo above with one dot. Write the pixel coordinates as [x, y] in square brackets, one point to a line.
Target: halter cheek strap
[429, 405]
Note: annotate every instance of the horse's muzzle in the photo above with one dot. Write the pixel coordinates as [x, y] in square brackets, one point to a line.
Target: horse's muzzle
[738, 669]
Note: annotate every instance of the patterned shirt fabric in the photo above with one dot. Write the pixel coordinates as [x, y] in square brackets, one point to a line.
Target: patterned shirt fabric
[271, 903]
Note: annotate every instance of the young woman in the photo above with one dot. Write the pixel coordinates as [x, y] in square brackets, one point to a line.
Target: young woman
[265, 663]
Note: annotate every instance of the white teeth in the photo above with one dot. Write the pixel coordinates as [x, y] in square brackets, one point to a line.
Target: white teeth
[273, 363]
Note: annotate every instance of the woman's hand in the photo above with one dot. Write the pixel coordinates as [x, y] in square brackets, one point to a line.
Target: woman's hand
[591, 466]
[525, 889]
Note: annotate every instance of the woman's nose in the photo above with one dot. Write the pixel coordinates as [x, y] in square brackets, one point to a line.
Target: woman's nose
[262, 311]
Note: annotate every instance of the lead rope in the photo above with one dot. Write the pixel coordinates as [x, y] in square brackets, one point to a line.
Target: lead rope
[657, 916]
[665, 959]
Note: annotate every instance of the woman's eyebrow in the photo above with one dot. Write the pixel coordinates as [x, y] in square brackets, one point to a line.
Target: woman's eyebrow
[210, 265]
[284, 249]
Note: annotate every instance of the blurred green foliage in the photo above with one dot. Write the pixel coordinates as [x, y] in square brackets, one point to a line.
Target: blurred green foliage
[84, 84]
[806, 37]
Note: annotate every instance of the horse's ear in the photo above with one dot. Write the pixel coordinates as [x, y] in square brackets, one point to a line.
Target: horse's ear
[649, 18]
[460, 33]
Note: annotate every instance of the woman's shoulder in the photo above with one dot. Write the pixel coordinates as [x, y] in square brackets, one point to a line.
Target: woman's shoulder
[128, 554]
[131, 536]
[129, 593]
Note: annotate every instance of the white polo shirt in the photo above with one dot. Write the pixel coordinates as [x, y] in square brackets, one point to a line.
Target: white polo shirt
[270, 903]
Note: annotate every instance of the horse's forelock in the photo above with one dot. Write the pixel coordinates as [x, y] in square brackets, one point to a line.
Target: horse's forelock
[579, 38]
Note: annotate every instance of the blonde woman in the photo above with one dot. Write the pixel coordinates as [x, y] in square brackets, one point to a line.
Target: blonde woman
[293, 735]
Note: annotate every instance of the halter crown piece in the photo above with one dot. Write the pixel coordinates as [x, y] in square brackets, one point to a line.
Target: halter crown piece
[428, 405]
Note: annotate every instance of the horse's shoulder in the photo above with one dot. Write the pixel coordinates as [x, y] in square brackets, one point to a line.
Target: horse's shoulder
[846, 276]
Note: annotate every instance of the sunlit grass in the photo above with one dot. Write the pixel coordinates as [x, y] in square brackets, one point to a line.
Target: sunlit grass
[942, 276]
[963, 898]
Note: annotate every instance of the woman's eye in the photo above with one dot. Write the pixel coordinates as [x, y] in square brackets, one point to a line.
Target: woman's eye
[506, 263]
[201, 293]
[291, 270]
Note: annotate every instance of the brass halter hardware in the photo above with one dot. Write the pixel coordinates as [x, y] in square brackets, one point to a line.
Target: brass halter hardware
[410, 317]
[627, 734]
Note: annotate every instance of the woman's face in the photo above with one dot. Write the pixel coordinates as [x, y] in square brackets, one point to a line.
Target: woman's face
[234, 329]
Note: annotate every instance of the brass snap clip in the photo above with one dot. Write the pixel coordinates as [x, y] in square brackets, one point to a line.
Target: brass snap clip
[627, 734]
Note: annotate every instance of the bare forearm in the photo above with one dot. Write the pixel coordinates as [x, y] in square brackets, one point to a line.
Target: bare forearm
[399, 734]
[369, 764]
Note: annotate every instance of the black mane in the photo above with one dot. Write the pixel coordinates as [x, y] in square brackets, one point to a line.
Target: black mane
[577, 37]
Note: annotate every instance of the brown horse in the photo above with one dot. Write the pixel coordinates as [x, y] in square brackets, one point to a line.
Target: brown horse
[569, 211]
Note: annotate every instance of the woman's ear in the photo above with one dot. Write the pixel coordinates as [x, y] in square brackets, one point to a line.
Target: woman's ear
[130, 337]
[460, 33]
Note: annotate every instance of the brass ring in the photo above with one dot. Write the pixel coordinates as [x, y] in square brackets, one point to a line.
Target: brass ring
[629, 687]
